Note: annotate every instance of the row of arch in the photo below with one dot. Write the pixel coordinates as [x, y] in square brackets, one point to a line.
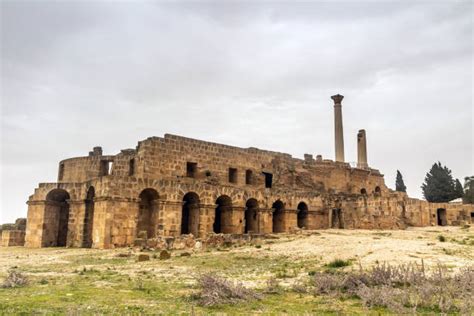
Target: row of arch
[57, 202]
[147, 220]
[190, 214]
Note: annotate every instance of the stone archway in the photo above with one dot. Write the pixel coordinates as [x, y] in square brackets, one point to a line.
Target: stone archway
[147, 214]
[223, 215]
[190, 214]
[441, 217]
[251, 216]
[88, 219]
[278, 219]
[56, 218]
[302, 215]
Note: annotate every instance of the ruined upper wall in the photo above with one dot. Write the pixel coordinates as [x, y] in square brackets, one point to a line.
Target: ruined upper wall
[171, 157]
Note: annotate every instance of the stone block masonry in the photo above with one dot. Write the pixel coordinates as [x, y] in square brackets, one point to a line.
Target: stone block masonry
[171, 186]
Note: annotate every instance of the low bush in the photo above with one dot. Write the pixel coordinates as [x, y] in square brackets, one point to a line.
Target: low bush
[441, 238]
[338, 263]
[217, 291]
[402, 288]
[14, 279]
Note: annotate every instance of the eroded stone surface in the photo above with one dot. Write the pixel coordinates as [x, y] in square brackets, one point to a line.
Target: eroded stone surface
[171, 186]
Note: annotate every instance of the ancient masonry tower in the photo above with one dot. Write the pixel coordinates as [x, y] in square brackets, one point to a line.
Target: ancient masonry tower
[174, 186]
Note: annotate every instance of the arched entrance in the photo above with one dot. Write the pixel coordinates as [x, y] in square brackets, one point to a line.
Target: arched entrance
[222, 219]
[251, 216]
[88, 219]
[278, 217]
[58, 217]
[190, 214]
[302, 218]
[441, 216]
[147, 213]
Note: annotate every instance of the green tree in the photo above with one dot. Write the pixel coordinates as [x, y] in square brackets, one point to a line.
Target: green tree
[458, 189]
[399, 184]
[439, 185]
[468, 196]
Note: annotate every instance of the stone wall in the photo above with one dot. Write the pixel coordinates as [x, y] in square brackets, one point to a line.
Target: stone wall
[13, 234]
[12, 238]
[152, 192]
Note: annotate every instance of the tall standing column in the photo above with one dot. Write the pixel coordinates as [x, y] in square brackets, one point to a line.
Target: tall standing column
[338, 133]
[361, 150]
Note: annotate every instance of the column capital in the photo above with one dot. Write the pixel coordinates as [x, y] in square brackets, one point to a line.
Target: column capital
[337, 99]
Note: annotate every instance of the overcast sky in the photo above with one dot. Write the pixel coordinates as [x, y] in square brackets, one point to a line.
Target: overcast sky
[80, 74]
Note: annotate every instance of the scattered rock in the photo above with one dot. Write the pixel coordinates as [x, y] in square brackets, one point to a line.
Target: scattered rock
[164, 255]
[198, 245]
[143, 257]
[124, 255]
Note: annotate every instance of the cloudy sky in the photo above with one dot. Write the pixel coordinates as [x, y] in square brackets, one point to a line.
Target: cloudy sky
[79, 74]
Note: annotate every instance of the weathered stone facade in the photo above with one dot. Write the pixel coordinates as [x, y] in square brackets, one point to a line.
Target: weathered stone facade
[175, 185]
[13, 234]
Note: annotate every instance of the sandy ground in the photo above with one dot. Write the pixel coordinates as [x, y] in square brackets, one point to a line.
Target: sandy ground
[365, 246]
[392, 246]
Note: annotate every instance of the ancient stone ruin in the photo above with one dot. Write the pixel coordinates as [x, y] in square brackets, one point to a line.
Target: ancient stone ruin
[171, 186]
[13, 234]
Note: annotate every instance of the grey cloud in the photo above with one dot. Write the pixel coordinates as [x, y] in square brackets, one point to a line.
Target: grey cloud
[79, 74]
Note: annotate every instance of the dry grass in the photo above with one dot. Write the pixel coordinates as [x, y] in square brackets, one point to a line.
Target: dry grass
[403, 288]
[218, 291]
[14, 279]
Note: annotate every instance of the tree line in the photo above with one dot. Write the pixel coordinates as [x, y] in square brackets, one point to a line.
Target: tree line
[440, 186]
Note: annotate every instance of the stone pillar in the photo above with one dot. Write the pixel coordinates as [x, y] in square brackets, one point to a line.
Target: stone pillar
[171, 217]
[75, 231]
[35, 228]
[238, 215]
[362, 150]
[338, 133]
[291, 220]
[265, 220]
[207, 214]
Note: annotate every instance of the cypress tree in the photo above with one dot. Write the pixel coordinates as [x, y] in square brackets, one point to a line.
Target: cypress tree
[439, 184]
[458, 189]
[399, 184]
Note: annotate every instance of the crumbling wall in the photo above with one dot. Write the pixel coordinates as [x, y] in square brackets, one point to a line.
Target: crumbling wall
[13, 234]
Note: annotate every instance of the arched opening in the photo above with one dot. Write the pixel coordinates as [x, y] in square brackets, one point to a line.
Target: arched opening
[147, 213]
[302, 219]
[251, 216]
[57, 218]
[222, 219]
[441, 214]
[337, 220]
[190, 214]
[278, 217]
[363, 191]
[377, 190]
[88, 219]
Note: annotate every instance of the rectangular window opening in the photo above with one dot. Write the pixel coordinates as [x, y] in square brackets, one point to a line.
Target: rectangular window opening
[232, 175]
[268, 179]
[105, 167]
[61, 172]
[248, 177]
[131, 167]
[191, 169]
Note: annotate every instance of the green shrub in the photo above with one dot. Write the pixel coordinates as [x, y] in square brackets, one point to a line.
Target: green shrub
[441, 238]
[338, 263]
